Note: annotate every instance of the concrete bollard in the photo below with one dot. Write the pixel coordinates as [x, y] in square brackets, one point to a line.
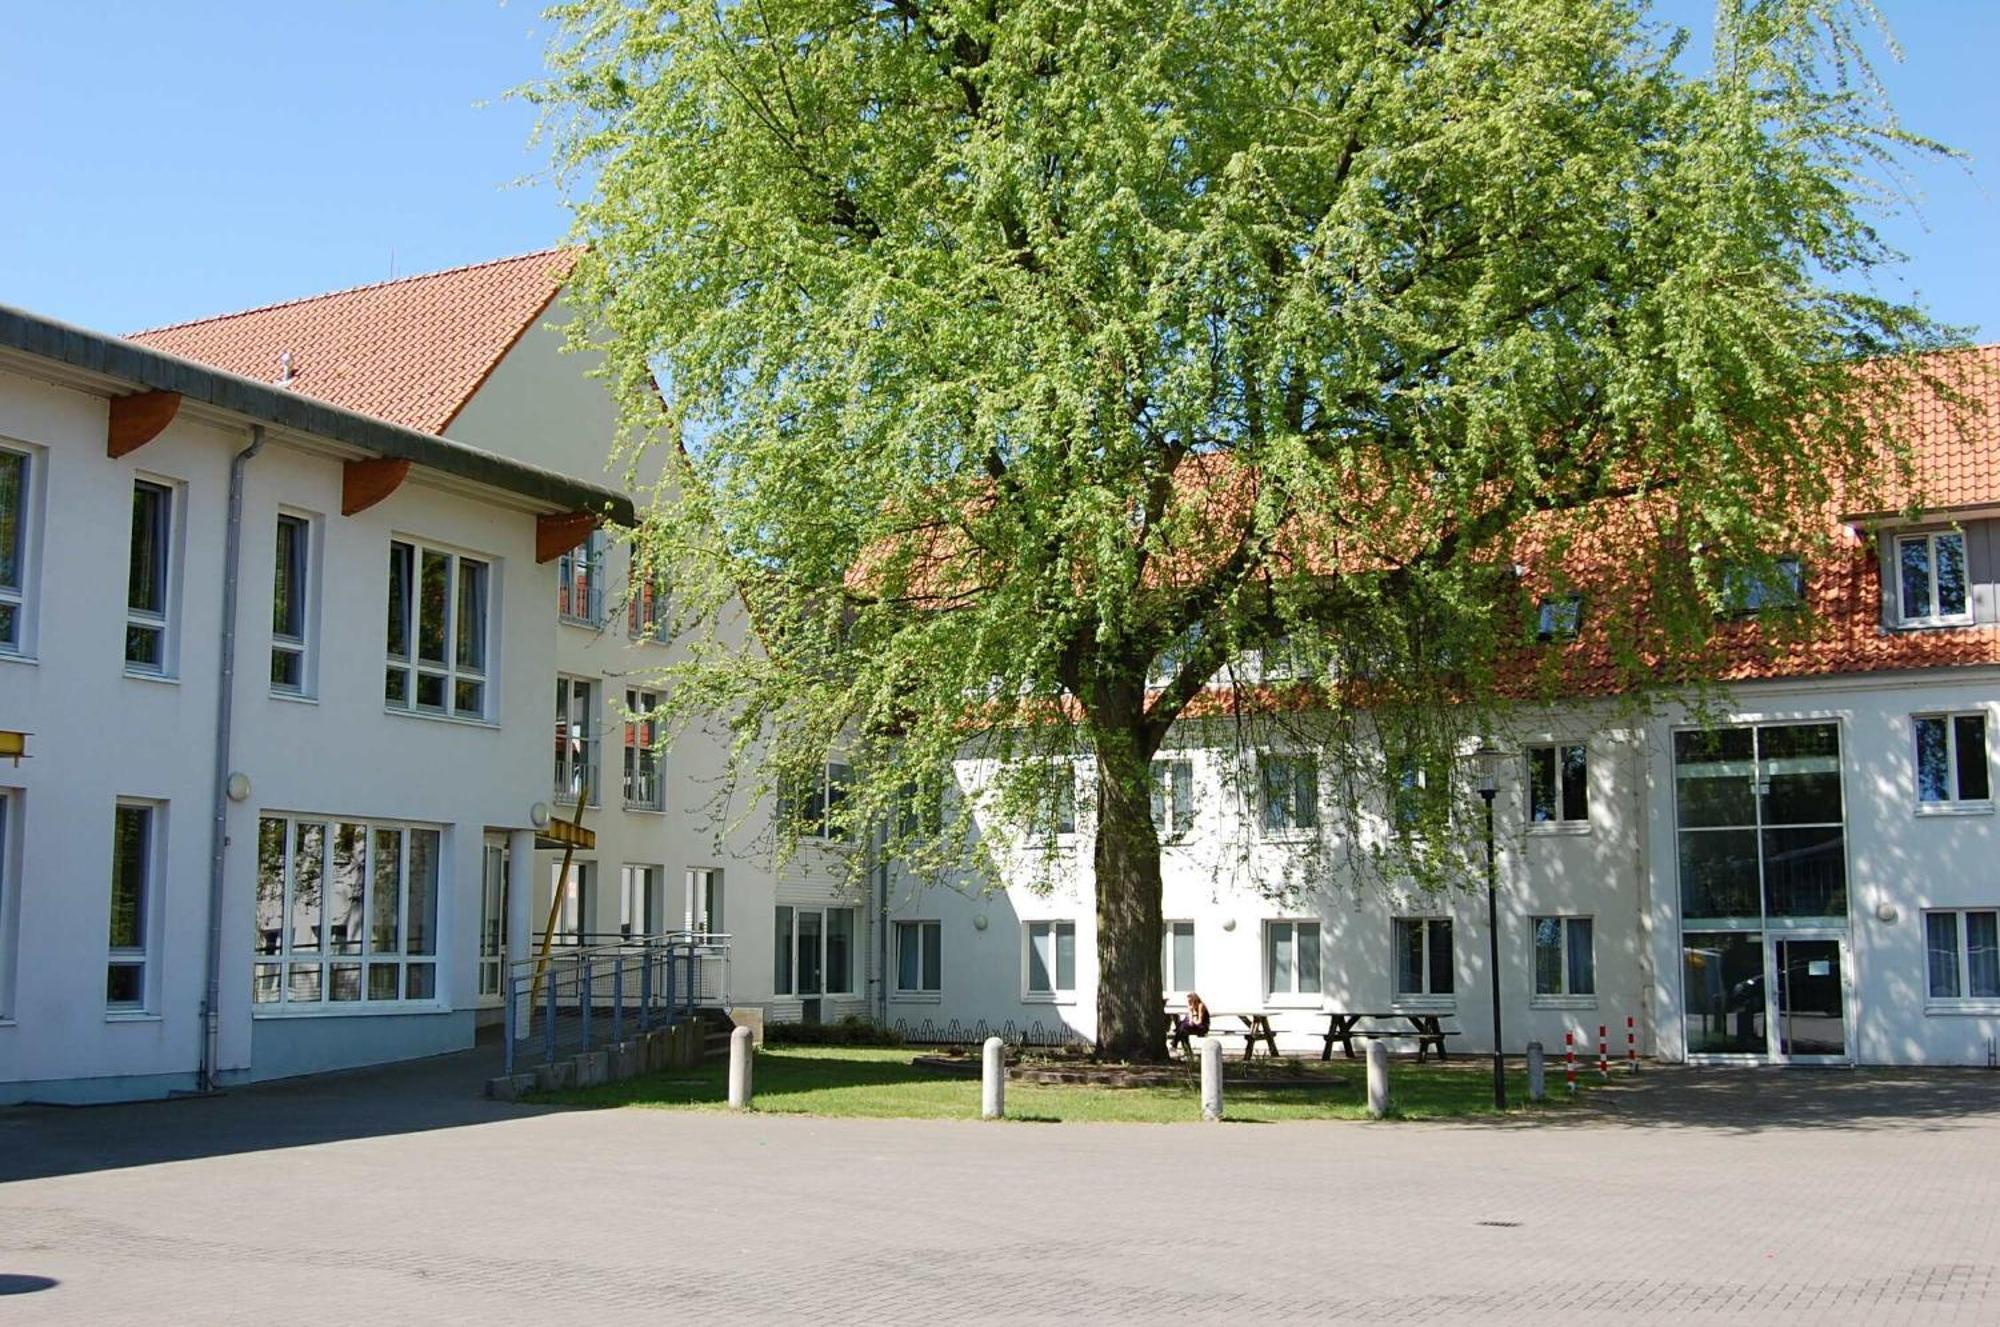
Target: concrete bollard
[1211, 1078]
[739, 1068]
[993, 1079]
[1536, 1087]
[1378, 1079]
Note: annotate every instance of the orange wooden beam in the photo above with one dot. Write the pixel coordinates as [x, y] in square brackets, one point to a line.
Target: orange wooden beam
[366, 482]
[138, 419]
[557, 534]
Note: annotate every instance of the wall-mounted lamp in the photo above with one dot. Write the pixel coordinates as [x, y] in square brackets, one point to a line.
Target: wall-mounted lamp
[237, 786]
[1228, 923]
[1886, 913]
[979, 922]
[538, 815]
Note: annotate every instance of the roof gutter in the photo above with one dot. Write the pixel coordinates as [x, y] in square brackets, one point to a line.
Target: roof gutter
[263, 404]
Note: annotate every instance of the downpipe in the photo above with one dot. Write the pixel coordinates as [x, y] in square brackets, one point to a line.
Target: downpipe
[225, 713]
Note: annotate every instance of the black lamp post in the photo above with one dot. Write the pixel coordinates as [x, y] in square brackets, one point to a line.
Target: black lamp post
[1488, 759]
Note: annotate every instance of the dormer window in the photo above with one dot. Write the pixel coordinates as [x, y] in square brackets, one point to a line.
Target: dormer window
[1558, 619]
[1748, 591]
[1931, 580]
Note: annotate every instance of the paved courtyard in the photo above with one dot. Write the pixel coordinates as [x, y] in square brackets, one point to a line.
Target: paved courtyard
[398, 1197]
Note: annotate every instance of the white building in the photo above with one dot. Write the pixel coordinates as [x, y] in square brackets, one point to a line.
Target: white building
[283, 672]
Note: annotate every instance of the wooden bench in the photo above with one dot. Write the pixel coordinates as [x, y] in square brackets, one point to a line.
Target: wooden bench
[1252, 1027]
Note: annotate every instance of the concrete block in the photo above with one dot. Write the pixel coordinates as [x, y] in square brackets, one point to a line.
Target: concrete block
[506, 1088]
[592, 1068]
[751, 1017]
[556, 1077]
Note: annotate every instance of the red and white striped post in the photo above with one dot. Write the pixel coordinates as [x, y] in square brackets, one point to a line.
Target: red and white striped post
[1631, 1046]
[1603, 1052]
[1569, 1061]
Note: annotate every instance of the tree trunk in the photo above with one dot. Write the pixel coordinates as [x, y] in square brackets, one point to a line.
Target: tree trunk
[1130, 1010]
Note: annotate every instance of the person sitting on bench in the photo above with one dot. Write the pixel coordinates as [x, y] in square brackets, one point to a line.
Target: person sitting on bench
[1192, 1024]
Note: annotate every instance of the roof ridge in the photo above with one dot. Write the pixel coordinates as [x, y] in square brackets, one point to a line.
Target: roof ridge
[354, 290]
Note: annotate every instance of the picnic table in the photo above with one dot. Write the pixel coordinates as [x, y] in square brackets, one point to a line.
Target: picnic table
[1344, 1026]
[1253, 1027]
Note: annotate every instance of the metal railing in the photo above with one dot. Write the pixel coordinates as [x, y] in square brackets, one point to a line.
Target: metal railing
[598, 990]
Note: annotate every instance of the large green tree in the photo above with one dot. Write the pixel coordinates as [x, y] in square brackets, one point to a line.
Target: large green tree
[1030, 361]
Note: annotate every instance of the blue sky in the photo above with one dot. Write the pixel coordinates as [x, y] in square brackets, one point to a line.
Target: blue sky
[166, 161]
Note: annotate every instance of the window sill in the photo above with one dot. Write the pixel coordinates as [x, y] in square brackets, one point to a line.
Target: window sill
[140, 675]
[1925, 810]
[131, 1016]
[1313, 1001]
[916, 997]
[1424, 1004]
[455, 720]
[1961, 1008]
[349, 1009]
[1289, 835]
[1047, 997]
[1562, 1002]
[1931, 624]
[13, 657]
[1558, 828]
[294, 697]
[582, 622]
[645, 808]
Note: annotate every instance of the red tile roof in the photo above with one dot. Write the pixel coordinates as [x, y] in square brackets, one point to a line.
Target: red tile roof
[1957, 450]
[411, 351]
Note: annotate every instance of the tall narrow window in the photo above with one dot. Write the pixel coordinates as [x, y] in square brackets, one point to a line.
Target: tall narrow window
[149, 579]
[1558, 785]
[644, 790]
[580, 582]
[705, 901]
[1951, 760]
[785, 944]
[815, 806]
[1289, 788]
[576, 739]
[1051, 958]
[14, 493]
[1291, 958]
[919, 965]
[1177, 957]
[291, 589]
[8, 800]
[1565, 957]
[437, 636]
[840, 951]
[1423, 957]
[646, 600]
[639, 904]
[126, 983]
[577, 891]
[1930, 573]
[1173, 798]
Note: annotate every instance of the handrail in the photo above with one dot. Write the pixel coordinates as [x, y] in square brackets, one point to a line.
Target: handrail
[563, 986]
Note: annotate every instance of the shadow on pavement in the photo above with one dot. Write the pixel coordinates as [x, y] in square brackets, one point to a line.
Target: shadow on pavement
[1753, 1100]
[415, 1096]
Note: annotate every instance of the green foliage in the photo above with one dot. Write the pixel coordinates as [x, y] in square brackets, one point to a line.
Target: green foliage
[1017, 350]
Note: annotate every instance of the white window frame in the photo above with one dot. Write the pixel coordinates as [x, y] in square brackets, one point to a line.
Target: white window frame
[645, 600]
[1567, 997]
[1055, 992]
[1297, 943]
[166, 621]
[1930, 616]
[1964, 1002]
[1172, 979]
[1171, 792]
[452, 672]
[143, 955]
[1426, 998]
[1954, 802]
[580, 582]
[20, 596]
[786, 982]
[1745, 594]
[642, 903]
[1296, 825]
[304, 646]
[417, 955]
[577, 911]
[929, 934]
[707, 902]
[808, 811]
[579, 738]
[1568, 819]
[12, 817]
[641, 748]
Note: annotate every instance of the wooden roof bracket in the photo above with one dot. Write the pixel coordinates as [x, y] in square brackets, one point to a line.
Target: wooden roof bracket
[558, 532]
[365, 482]
[138, 419]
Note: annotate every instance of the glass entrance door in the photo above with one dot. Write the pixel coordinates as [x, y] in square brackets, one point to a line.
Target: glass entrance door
[1810, 1018]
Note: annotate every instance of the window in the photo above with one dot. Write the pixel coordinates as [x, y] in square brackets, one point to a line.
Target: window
[1931, 579]
[1951, 759]
[1291, 958]
[133, 857]
[9, 799]
[1055, 815]
[705, 901]
[1423, 958]
[1285, 660]
[346, 913]
[291, 594]
[1421, 796]
[815, 951]
[1565, 958]
[1963, 949]
[149, 580]
[1173, 798]
[1289, 788]
[1558, 785]
[919, 969]
[1559, 618]
[1177, 957]
[1050, 956]
[640, 910]
[437, 632]
[813, 809]
[646, 600]
[15, 476]
[1748, 591]
[644, 788]
[580, 582]
[578, 892]
[576, 740]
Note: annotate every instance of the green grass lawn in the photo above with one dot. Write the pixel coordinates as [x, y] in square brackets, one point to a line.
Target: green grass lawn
[852, 1081]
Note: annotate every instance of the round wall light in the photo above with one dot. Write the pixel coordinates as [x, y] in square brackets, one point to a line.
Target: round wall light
[1228, 923]
[538, 815]
[1886, 912]
[979, 922]
[237, 787]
